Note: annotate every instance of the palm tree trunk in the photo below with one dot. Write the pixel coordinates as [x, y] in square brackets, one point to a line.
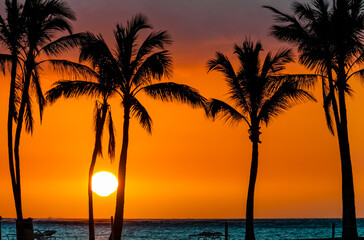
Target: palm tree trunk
[120, 198]
[11, 114]
[91, 227]
[97, 150]
[249, 227]
[24, 99]
[348, 197]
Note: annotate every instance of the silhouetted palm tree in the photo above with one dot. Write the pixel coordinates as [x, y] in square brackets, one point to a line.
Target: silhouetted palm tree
[259, 92]
[131, 68]
[102, 87]
[11, 35]
[31, 33]
[329, 39]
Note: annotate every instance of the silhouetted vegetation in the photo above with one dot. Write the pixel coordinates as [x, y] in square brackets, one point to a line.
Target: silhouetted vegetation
[28, 31]
[102, 86]
[329, 36]
[327, 33]
[259, 92]
[128, 70]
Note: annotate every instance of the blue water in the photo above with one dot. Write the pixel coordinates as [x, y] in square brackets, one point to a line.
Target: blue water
[272, 229]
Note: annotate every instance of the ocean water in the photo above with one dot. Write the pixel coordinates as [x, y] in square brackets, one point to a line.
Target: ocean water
[272, 229]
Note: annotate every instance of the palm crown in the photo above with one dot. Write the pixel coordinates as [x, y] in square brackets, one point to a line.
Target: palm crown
[11, 35]
[128, 70]
[328, 38]
[43, 19]
[258, 90]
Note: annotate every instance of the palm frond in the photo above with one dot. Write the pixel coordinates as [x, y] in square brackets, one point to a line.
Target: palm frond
[5, 62]
[357, 74]
[12, 27]
[218, 108]
[274, 63]
[155, 40]
[98, 126]
[137, 23]
[72, 69]
[222, 64]
[170, 91]
[155, 66]
[39, 93]
[356, 62]
[291, 31]
[74, 89]
[45, 18]
[93, 48]
[111, 148]
[63, 44]
[126, 38]
[60, 8]
[139, 111]
[285, 96]
[95, 51]
[248, 55]
[304, 81]
[328, 98]
[17, 96]
[29, 121]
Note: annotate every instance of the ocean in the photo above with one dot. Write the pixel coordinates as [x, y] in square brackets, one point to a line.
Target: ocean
[272, 229]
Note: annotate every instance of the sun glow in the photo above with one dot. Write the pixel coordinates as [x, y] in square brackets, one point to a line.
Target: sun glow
[104, 183]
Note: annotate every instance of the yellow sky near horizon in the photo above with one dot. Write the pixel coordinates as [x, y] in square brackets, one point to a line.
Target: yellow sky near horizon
[190, 167]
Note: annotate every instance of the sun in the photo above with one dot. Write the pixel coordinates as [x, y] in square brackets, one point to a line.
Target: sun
[104, 183]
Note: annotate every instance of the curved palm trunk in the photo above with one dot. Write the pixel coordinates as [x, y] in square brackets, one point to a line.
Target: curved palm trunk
[91, 228]
[24, 99]
[11, 114]
[119, 212]
[99, 130]
[348, 197]
[249, 227]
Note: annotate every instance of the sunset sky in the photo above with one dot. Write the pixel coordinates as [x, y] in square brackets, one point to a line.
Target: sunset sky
[190, 167]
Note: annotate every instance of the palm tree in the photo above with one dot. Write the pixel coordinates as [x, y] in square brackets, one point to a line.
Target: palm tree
[31, 33]
[11, 35]
[259, 92]
[102, 87]
[329, 40]
[131, 68]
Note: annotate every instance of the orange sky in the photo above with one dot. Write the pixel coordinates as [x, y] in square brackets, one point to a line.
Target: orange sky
[190, 167]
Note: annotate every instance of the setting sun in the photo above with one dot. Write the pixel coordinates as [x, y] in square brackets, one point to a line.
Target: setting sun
[104, 183]
[178, 119]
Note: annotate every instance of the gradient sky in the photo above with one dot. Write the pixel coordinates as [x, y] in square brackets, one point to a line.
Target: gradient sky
[190, 167]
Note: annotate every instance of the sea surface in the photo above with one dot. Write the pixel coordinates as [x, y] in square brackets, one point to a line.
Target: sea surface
[272, 229]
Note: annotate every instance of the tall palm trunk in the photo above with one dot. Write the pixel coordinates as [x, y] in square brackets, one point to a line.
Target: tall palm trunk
[99, 128]
[91, 228]
[348, 198]
[24, 99]
[249, 221]
[349, 230]
[119, 212]
[11, 114]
